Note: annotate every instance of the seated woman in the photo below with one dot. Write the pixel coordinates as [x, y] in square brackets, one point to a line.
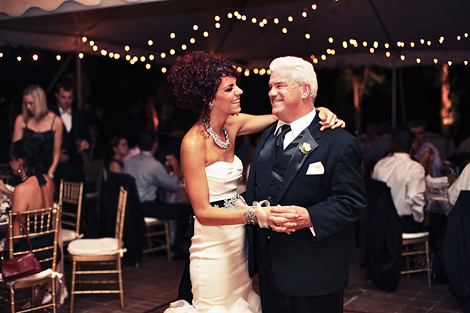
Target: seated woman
[120, 148]
[35, 192]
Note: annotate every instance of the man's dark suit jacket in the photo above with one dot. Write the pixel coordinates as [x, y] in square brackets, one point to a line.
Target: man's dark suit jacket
[307, 265]
[73, 169]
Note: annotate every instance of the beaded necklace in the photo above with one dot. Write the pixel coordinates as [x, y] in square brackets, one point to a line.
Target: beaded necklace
[211, 132]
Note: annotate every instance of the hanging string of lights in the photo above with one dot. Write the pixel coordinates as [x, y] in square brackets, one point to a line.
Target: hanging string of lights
[282, 22]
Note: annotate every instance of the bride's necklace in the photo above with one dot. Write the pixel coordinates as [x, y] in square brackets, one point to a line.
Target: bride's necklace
[211, 132]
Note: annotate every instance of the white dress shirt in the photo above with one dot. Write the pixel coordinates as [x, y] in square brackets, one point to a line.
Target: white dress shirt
[406, 179]
[296, 126]
[462, 183]
[66, 116]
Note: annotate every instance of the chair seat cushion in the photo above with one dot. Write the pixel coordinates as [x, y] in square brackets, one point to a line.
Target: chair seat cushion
[414, 235]
[150, 220]
[98, 246]
[37, 276]
[92, 195]
[69, 235]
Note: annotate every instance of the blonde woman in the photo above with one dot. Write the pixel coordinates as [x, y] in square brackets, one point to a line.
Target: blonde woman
[36, 118]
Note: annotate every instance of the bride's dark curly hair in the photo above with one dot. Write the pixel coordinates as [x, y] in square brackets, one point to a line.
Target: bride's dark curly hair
[195, 78]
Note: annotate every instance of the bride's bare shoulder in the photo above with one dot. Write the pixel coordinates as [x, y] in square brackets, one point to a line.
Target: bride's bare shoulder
[194, 138]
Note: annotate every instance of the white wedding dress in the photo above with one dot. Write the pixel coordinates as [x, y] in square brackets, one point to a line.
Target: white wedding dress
[219, 277]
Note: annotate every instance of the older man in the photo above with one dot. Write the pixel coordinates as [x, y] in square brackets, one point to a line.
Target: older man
[316, 175]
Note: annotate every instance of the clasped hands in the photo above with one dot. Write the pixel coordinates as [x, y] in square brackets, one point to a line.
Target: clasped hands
[287, 219]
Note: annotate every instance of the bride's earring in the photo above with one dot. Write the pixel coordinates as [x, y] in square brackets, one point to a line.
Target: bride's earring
[212, 105]
[19, 171]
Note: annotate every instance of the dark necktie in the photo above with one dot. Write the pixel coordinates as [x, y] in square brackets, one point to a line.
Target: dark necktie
[279, 143]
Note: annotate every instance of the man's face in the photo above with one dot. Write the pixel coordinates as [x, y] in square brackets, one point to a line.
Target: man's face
[420, 134]
[64, 98]
[285, 95]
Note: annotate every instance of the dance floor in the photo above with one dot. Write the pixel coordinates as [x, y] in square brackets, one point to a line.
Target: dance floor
[151, 286]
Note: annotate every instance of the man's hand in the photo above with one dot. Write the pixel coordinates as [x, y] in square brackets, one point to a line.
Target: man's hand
[84, 145]
[288, 219]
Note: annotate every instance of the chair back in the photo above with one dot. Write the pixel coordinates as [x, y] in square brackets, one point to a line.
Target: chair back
[70, 200]
[94, 174]
[121, 212]
[39, 224]
[6, 173]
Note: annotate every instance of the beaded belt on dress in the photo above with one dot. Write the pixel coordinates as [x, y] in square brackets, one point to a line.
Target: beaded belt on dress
[226, 203]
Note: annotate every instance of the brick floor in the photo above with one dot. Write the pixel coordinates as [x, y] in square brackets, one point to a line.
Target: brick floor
[154, 283]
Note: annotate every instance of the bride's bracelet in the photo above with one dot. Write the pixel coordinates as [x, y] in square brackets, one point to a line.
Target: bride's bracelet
[251, 218]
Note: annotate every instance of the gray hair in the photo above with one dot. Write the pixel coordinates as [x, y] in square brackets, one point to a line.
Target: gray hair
[301, 70]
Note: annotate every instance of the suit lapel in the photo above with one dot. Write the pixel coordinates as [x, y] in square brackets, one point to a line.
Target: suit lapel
[298, 158]
[250, 187]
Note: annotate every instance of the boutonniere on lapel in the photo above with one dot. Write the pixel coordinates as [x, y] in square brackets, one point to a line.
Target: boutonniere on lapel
[305, 148]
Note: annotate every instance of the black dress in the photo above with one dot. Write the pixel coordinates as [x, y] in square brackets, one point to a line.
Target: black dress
[48, 137]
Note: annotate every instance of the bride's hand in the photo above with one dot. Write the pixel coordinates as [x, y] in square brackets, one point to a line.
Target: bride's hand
[328, 119]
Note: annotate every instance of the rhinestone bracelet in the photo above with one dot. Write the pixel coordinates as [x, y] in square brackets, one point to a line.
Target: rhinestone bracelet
[251, 218]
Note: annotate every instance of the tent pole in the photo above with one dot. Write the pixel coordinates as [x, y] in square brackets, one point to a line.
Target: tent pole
[394, 96]
[79, 82]
[402, 97]
[57, 75]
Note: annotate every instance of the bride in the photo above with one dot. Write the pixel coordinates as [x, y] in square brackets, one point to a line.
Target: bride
[207, 85]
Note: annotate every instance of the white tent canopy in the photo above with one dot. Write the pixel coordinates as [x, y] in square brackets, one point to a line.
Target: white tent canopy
[417, 32]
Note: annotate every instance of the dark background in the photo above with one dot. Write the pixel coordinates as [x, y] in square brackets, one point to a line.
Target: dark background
[116, 94]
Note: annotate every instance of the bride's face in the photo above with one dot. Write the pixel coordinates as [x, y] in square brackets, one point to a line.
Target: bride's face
[227, 98]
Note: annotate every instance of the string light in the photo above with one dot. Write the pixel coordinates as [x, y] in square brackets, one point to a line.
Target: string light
[260, 21]
[58, 57]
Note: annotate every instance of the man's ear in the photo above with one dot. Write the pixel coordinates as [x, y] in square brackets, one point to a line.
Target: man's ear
[305, 91]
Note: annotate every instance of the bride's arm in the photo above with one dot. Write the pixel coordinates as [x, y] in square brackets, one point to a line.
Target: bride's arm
[249, 124]
[193, 158]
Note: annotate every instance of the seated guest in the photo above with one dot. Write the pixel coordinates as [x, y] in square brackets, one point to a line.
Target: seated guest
[150, 177]
[36, 191]
[462, 183]
[119, 146]
[424, 151]
[405, 177]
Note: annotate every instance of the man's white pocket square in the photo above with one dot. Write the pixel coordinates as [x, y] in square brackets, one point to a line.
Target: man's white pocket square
[315, 169]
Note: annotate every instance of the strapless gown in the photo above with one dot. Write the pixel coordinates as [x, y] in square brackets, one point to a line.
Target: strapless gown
[219, 276]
